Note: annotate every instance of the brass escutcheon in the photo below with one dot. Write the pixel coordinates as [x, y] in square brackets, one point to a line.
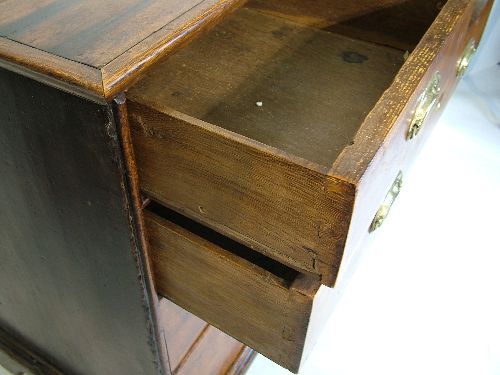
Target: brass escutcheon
[427, 101]
[385, 208]
[465, 59]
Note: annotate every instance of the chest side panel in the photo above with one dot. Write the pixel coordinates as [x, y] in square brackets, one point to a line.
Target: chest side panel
[71, 275]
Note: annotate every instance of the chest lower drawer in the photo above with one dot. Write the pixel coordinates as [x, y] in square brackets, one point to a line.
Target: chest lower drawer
[292, 137]
[260, 302]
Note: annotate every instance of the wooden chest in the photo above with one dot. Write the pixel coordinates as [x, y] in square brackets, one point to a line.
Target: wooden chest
[229, 156]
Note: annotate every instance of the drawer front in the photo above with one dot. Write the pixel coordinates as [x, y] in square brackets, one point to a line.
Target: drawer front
[257, 301]
[388, 126]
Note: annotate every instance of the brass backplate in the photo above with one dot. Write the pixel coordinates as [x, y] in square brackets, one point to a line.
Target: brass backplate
[426, 102]
[465, 59]
[385, 208]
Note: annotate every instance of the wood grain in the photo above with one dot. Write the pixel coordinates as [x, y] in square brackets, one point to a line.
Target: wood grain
[91, 32]
[64, 74]
[97, 48]
[258, 307]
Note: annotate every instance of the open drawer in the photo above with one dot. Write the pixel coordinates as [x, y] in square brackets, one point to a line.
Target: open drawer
[260, 302]
[289, 126]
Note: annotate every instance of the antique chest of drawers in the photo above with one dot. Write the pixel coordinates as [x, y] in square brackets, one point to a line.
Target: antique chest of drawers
[181, 179]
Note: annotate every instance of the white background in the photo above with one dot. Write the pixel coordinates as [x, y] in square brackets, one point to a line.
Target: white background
[425, 298]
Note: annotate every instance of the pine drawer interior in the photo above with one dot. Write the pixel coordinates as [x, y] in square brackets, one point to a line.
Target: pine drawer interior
[280, 74]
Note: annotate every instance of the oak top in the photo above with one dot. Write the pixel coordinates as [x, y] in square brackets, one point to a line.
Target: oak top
[94, 47]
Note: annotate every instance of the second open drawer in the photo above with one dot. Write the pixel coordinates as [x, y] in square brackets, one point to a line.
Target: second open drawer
[260, 302]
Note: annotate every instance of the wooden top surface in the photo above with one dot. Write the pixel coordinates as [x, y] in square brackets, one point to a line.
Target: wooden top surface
[96, 47]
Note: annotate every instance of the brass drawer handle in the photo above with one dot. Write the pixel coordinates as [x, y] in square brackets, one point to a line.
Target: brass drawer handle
[385, 208]
[466, 58]
[427, 101]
